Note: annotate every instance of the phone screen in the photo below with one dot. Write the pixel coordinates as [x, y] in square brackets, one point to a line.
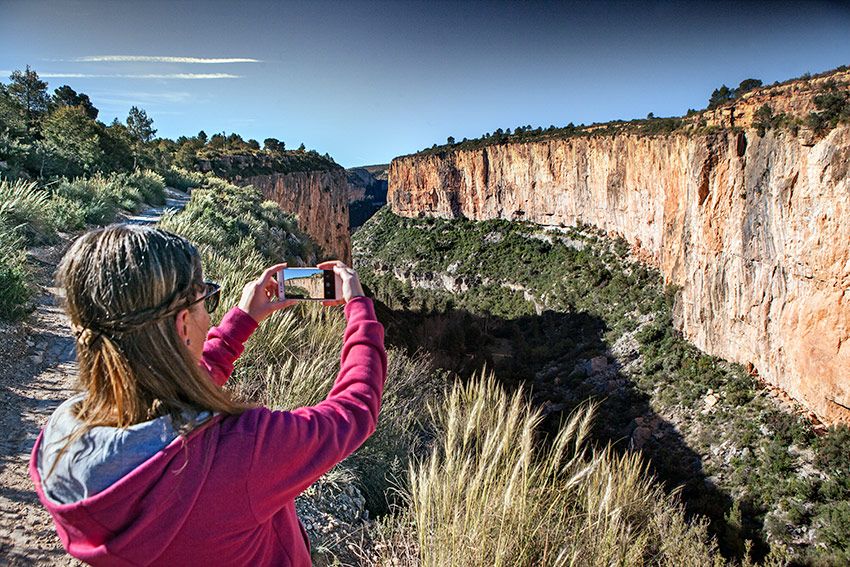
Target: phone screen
[306, 283]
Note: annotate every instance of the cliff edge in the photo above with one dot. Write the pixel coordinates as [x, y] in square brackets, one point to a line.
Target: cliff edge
[754, 230]
[319, 200]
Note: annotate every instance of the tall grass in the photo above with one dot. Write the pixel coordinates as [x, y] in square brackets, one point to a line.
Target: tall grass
[98, 199]
[25, 211]
[22, 221]
[493, 493]
[31, 215]
[14, 274]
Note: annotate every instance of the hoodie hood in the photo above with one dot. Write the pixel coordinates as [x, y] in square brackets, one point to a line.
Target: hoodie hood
[139, 488]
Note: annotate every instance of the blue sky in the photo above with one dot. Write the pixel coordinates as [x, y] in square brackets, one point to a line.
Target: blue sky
[367, 81]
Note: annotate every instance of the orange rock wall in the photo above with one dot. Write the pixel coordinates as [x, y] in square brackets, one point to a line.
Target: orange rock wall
[319, 199]
[755, 231]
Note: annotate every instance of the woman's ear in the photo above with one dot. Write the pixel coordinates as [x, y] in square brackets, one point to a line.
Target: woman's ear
[181, 322]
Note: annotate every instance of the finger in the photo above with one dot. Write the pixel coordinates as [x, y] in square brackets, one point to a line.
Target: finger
[283, 304]
[271, 288]
[333, 302]
[329, 264]
[344, 272]
[268, 273]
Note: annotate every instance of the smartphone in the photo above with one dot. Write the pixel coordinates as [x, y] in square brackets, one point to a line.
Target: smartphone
[308, 284]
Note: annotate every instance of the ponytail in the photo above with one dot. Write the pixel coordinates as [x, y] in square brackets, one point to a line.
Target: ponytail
[123, 286]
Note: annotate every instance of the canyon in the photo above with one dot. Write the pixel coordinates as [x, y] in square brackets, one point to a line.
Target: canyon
[319, 199]
[367, 192]
[305, 184]
[752, 231]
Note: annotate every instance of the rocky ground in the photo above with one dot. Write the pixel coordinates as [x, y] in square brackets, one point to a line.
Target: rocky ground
[37, 370]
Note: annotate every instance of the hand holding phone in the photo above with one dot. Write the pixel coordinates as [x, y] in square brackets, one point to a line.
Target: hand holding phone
[260, 298]
[350, 282]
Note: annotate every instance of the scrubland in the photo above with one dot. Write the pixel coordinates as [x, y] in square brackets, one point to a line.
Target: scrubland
[499, 440]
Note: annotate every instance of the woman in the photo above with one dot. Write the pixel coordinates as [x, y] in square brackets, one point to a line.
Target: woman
[153, 463]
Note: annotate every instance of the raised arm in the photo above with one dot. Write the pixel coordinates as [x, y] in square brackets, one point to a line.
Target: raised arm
[293, 449]
[225, 343]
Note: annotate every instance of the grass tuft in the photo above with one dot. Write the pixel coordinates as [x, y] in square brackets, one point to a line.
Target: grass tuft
[493, 493]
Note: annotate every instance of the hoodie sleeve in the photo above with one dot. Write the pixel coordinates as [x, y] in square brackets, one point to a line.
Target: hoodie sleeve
[225, 343]
[293, 449]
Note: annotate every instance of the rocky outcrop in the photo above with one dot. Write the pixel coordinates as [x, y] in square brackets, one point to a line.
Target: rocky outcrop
[319, 199]
[794, 98]
[754, 230]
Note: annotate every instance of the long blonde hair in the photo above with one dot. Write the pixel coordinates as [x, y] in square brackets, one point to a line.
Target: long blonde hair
[124, 285]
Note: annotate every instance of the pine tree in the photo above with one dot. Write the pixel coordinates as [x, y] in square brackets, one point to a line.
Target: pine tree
[66, 96]
[141, 131]
[31, 94]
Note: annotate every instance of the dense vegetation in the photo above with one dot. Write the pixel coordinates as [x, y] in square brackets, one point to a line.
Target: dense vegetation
[540, 306]
[32, 215]
[63, 170]
[44, 135]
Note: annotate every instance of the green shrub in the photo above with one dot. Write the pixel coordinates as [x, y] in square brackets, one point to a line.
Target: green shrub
[833, 108]
[69, 214]
[183, 179]
[835, 532]
[101, 197]
[151, 185]
[96, 200]
[14, 275]
[25, 209]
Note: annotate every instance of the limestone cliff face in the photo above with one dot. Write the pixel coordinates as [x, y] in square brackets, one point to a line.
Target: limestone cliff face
[755, 231]
[320, 201]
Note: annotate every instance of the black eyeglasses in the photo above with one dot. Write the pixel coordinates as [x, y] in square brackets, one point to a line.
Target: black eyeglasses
[211, 297]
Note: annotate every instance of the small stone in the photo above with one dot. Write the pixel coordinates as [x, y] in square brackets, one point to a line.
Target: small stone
[598, 364]
[640, 436]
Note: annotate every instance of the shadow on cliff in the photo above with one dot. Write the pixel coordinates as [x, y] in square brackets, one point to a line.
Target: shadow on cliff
[563, 361]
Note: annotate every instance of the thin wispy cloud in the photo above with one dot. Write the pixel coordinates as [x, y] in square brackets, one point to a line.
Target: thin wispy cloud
[156, 98]
[161, 59]
[179, 76]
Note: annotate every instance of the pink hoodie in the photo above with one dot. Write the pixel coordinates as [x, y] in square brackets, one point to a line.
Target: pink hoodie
[225, 495]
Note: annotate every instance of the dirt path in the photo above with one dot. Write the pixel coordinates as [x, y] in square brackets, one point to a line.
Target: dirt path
[37, 373]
